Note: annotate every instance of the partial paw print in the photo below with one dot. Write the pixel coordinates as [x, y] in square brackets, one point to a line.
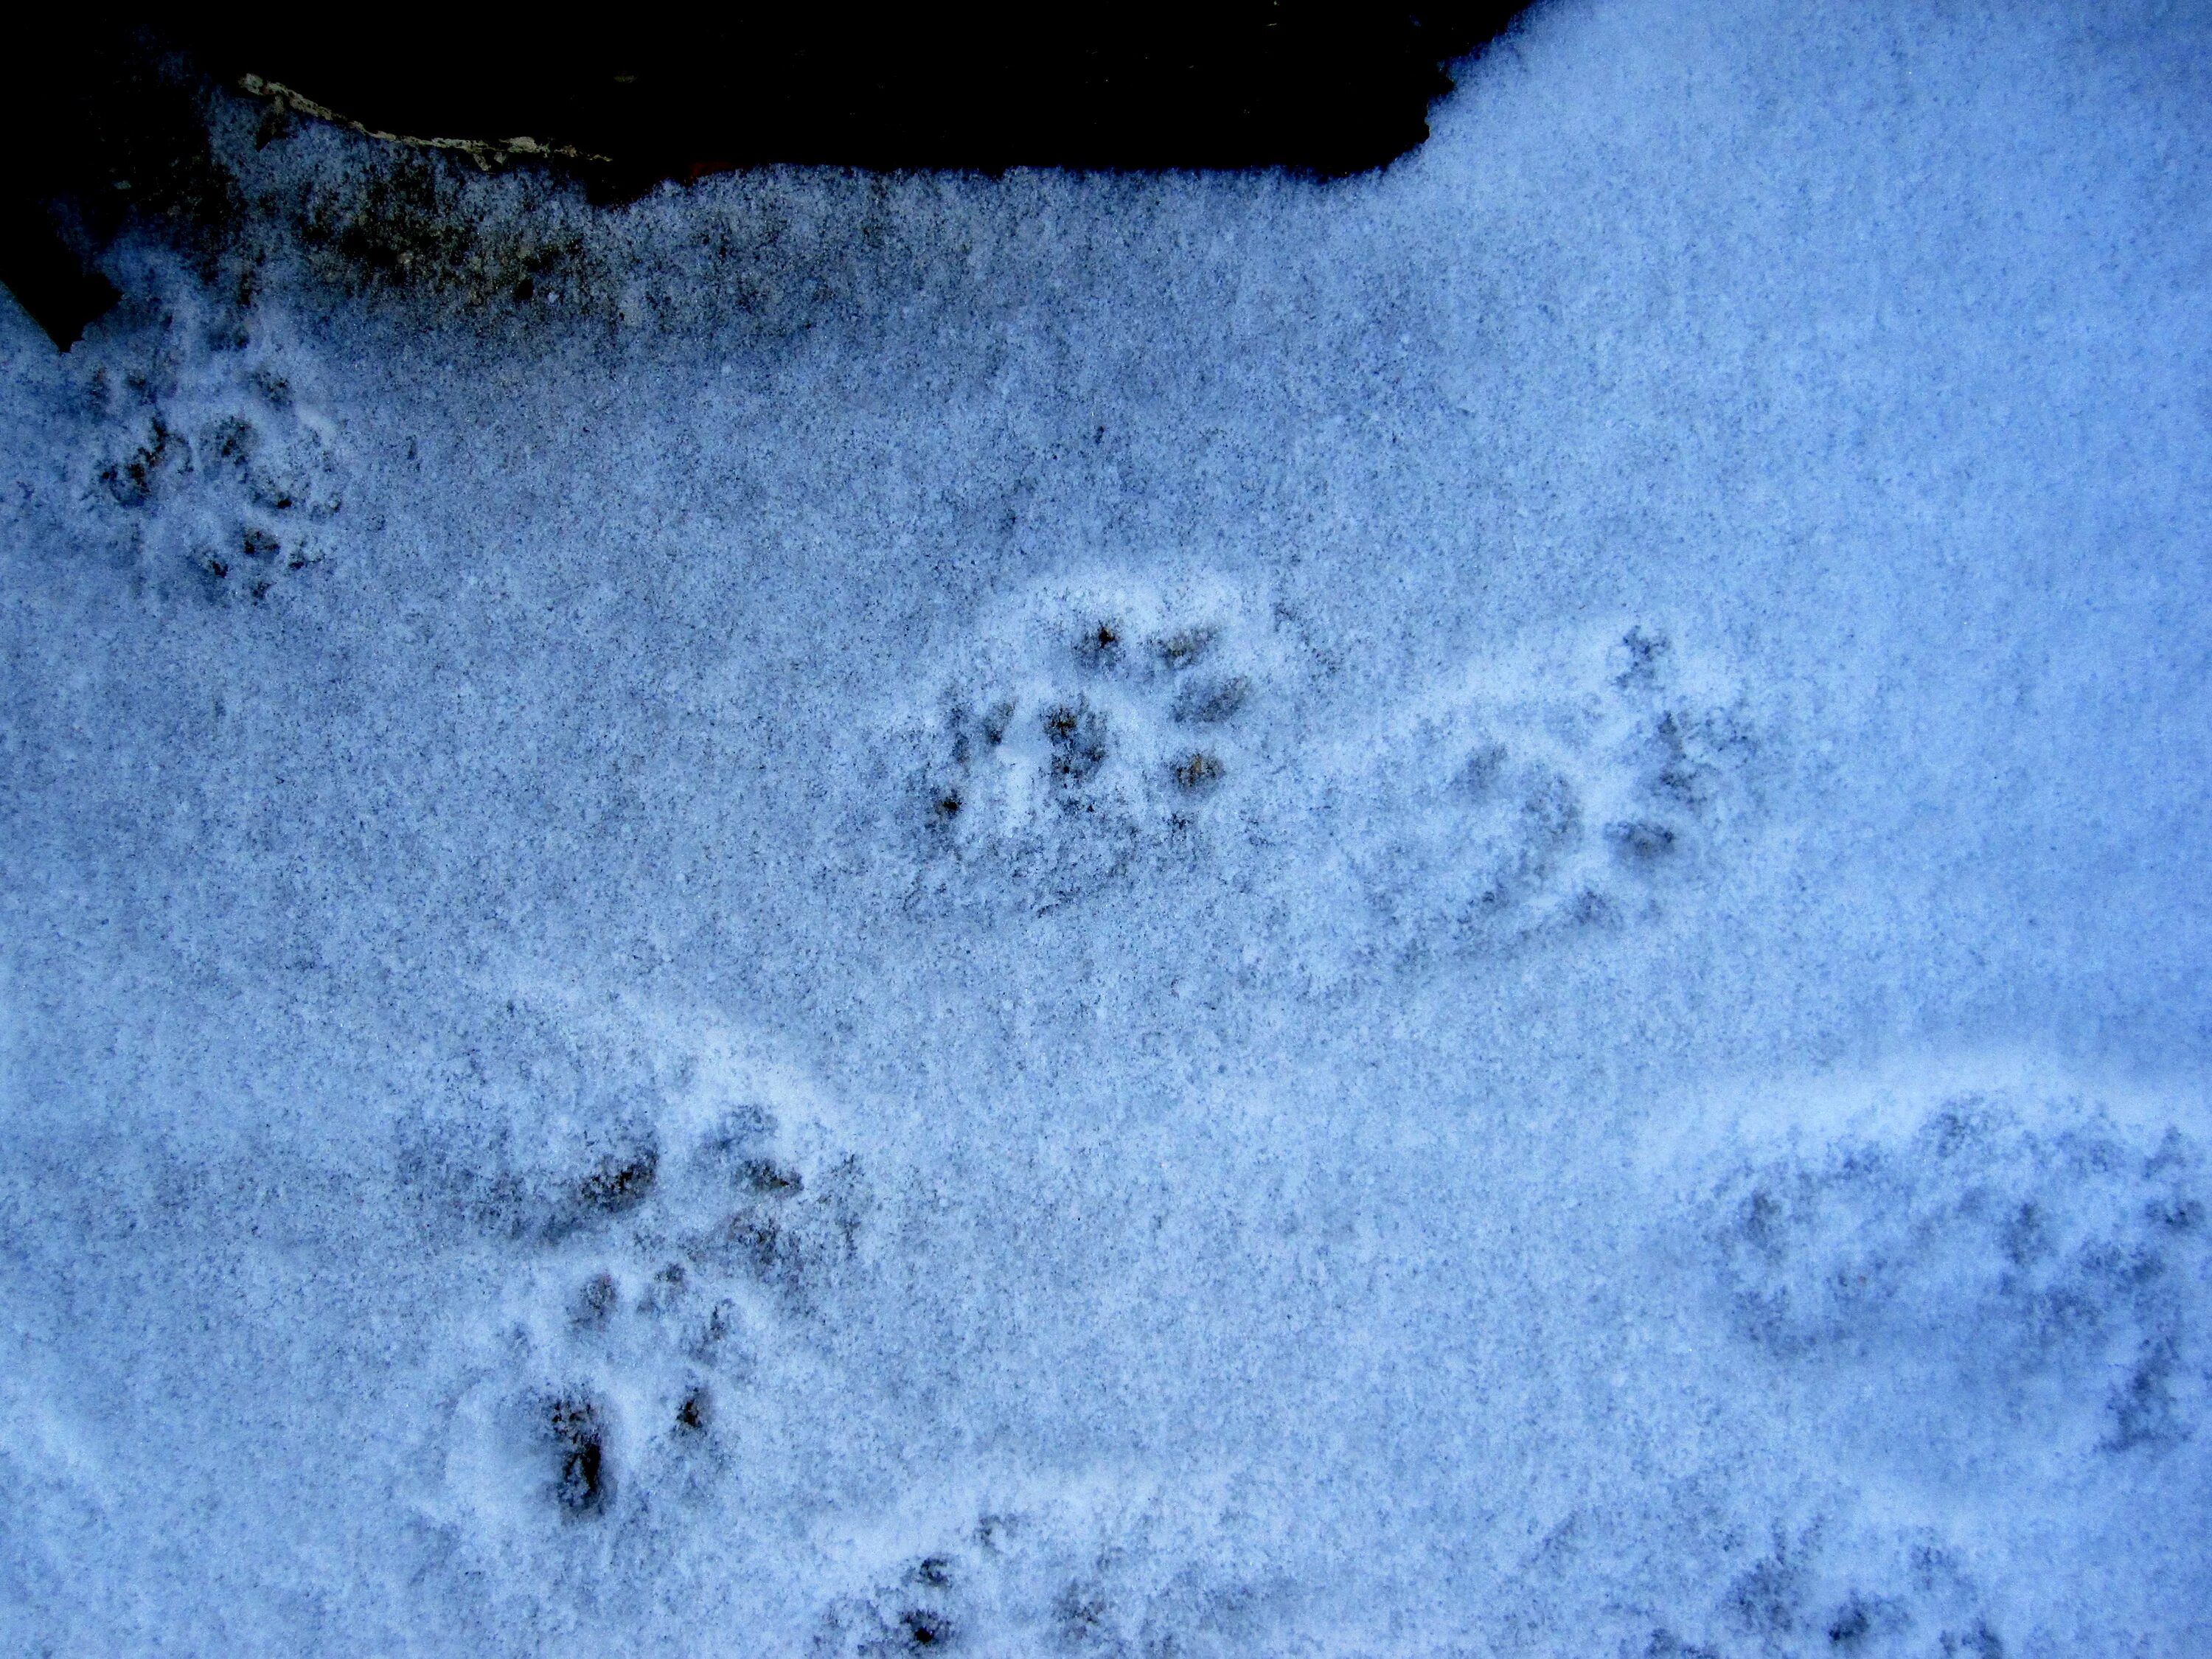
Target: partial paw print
[1093, 1571]
[1827, 1587]
[668, 1250]
[218, 467]
[1562, 789]
[1092, 723]
[2008, 1254]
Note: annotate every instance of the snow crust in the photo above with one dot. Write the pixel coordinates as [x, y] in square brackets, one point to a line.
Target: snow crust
[1459, 914]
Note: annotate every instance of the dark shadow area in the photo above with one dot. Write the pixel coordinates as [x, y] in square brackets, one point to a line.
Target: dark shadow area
[104, 115]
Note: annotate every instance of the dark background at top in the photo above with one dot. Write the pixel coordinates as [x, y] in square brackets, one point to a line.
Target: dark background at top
[1329, 88]
[101, 110]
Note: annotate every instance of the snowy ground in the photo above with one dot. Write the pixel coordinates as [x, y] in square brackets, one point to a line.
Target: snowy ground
[1461, 914]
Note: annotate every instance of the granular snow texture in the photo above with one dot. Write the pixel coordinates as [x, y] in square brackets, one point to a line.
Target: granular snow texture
[1464, 912]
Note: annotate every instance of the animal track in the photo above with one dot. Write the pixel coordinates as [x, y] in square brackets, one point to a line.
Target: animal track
[2063, 1269]
[658, 1242]
[221, 470]
[1557, 790]
[582, 1484]
[1824, 1589]
[1112, 1571]
[1095, 726]
[1091, 723]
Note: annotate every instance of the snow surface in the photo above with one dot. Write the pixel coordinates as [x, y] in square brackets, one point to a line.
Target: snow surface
[1459, 914]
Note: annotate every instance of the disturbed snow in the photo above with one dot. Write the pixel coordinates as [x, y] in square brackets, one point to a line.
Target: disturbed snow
[1458, 914]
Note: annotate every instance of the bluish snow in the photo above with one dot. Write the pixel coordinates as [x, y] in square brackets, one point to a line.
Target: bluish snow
[1464, 913]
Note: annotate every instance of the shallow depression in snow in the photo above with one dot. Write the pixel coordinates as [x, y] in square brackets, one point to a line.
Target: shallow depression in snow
[1456, 913]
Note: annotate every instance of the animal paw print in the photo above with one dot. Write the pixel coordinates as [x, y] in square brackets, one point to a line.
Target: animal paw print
[1562, 790]
[2058, 1261]
[224, 470]
[1108, 1570]
[1848, 1586]
[659, 1262]
[1091, 722]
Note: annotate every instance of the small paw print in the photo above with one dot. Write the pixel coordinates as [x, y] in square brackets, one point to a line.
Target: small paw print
[219, 469]
[1089, 725]
[1553, 792]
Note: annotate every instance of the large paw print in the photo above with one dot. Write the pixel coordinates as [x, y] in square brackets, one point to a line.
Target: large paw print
[1561, 789]
[2065, 1267]
[1090, 723]
[660, 1251]
[223, 472]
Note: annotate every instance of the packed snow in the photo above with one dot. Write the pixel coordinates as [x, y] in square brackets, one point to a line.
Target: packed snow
[1462, 913]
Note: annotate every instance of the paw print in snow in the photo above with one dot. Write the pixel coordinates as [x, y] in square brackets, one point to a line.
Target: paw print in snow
[661, 1252]
[1023, 1565]
[1090, 722]
[220, 468]
[1561, 789]
[2007, 1253]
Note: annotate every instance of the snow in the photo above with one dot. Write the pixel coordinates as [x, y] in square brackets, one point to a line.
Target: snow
[1462, 913]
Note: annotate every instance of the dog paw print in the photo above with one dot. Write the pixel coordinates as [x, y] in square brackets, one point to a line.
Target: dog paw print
[1041, 1573]
[1564, 789]
[1090, 724]
[657, 1253]
[1994, 1257]
[222, 470]
[759, 1218]
[1834, 1588]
